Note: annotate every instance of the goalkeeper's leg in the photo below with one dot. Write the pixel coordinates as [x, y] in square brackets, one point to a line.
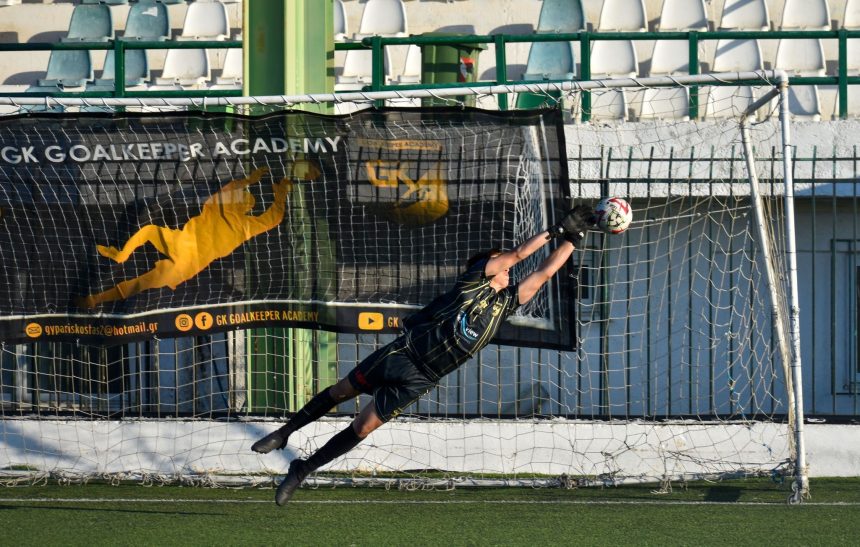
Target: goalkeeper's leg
[337, 446]
[316, 408]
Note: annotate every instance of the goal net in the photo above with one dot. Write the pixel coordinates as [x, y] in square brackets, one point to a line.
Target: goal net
[665, 353]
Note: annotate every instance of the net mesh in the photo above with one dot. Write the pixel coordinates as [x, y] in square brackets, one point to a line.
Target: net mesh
[677, 372]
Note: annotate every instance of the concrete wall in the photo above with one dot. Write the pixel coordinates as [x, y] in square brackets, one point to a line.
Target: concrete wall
[633, 451]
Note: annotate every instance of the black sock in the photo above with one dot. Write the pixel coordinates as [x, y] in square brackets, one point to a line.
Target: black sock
[338, 445]
[315, 409]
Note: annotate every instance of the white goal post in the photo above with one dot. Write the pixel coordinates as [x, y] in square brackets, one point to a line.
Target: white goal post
[687, 359]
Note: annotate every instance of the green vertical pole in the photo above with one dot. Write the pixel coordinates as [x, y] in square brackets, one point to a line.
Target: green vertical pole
[843, 74]
[501, 68]
[585, 72]
[693, 69]
[264, 51]
[289, 50]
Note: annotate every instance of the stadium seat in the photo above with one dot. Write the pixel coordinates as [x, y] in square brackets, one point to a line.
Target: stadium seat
[108, 2]
[851, 17]
[358, 69]
[184, 68]
[206, 21]
[802, 57]
[683, 15]
[383, 18]
[623, 16]
[231, 74]
[665, 104]
[737, 55]
[728, 101]
[614, 59]
[561, 16]
[9, 2]
[90, 23]
[744, 15]
[547, 61]
[68, 69]
[340, 22]
[804, 103]
[412, 67]
[550, 61]
[733, 55]
[609, 105]
[147, 20]
[136, 70]
[806, 15]
[668, 56]
[379, 18]
[74, 68]
[617, 58]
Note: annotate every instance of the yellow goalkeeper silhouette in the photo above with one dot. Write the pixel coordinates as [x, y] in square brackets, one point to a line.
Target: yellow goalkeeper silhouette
[222, 226]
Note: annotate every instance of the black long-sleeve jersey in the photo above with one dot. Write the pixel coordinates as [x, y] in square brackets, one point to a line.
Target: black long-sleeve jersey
[459, 323]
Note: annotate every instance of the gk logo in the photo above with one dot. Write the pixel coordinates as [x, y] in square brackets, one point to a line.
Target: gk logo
[424, 200]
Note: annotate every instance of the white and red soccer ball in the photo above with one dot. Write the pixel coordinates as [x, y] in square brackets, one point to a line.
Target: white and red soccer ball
[613, 215]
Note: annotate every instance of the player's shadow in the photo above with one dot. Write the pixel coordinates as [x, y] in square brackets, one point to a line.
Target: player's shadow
[723, 493]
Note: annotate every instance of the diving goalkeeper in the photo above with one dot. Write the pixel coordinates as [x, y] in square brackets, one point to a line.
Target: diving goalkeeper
[437, 340]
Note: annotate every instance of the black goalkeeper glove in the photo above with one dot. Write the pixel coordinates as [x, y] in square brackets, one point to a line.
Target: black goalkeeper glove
[573, 224]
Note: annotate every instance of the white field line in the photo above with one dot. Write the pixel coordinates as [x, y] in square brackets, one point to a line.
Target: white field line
[421, 502]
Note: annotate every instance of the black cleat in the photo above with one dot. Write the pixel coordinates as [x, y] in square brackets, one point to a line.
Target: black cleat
[274, 440]
[298, 472]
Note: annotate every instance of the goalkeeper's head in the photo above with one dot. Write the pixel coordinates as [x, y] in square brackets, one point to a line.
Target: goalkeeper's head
[498, 281]
[483, 255]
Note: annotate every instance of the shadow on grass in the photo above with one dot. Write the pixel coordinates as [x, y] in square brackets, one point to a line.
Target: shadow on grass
[723, 493]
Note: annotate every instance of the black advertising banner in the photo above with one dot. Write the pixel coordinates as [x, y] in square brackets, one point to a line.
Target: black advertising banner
[120, 228]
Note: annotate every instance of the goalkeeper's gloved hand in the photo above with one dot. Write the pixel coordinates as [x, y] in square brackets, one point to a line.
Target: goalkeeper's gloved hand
[573, 224]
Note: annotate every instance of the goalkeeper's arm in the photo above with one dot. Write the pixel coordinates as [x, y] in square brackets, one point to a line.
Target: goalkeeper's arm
[532, 283]
[572, 227]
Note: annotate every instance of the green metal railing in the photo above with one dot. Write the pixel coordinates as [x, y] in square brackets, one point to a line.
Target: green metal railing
[376, 44]
[585, 39]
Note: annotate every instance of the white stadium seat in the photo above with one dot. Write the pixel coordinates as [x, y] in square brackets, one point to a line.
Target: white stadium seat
[728, 101]
[379, 18]
[851, 17]
[617, 58]
[683, 15]
[206, 21]
[737, 55]
[801, 56]
[412, 67]
[804, 103]
[666, 103]
[806, 15]
[184, 68]
[668, 56]
[623, 16]
[340, 22]
[231, 73]
[609, 105]
[383, 18]
[745, 15]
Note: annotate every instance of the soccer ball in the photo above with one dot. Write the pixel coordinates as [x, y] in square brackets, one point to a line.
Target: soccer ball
[613, 215]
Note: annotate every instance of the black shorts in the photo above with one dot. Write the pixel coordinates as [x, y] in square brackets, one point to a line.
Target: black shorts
[390, 375]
